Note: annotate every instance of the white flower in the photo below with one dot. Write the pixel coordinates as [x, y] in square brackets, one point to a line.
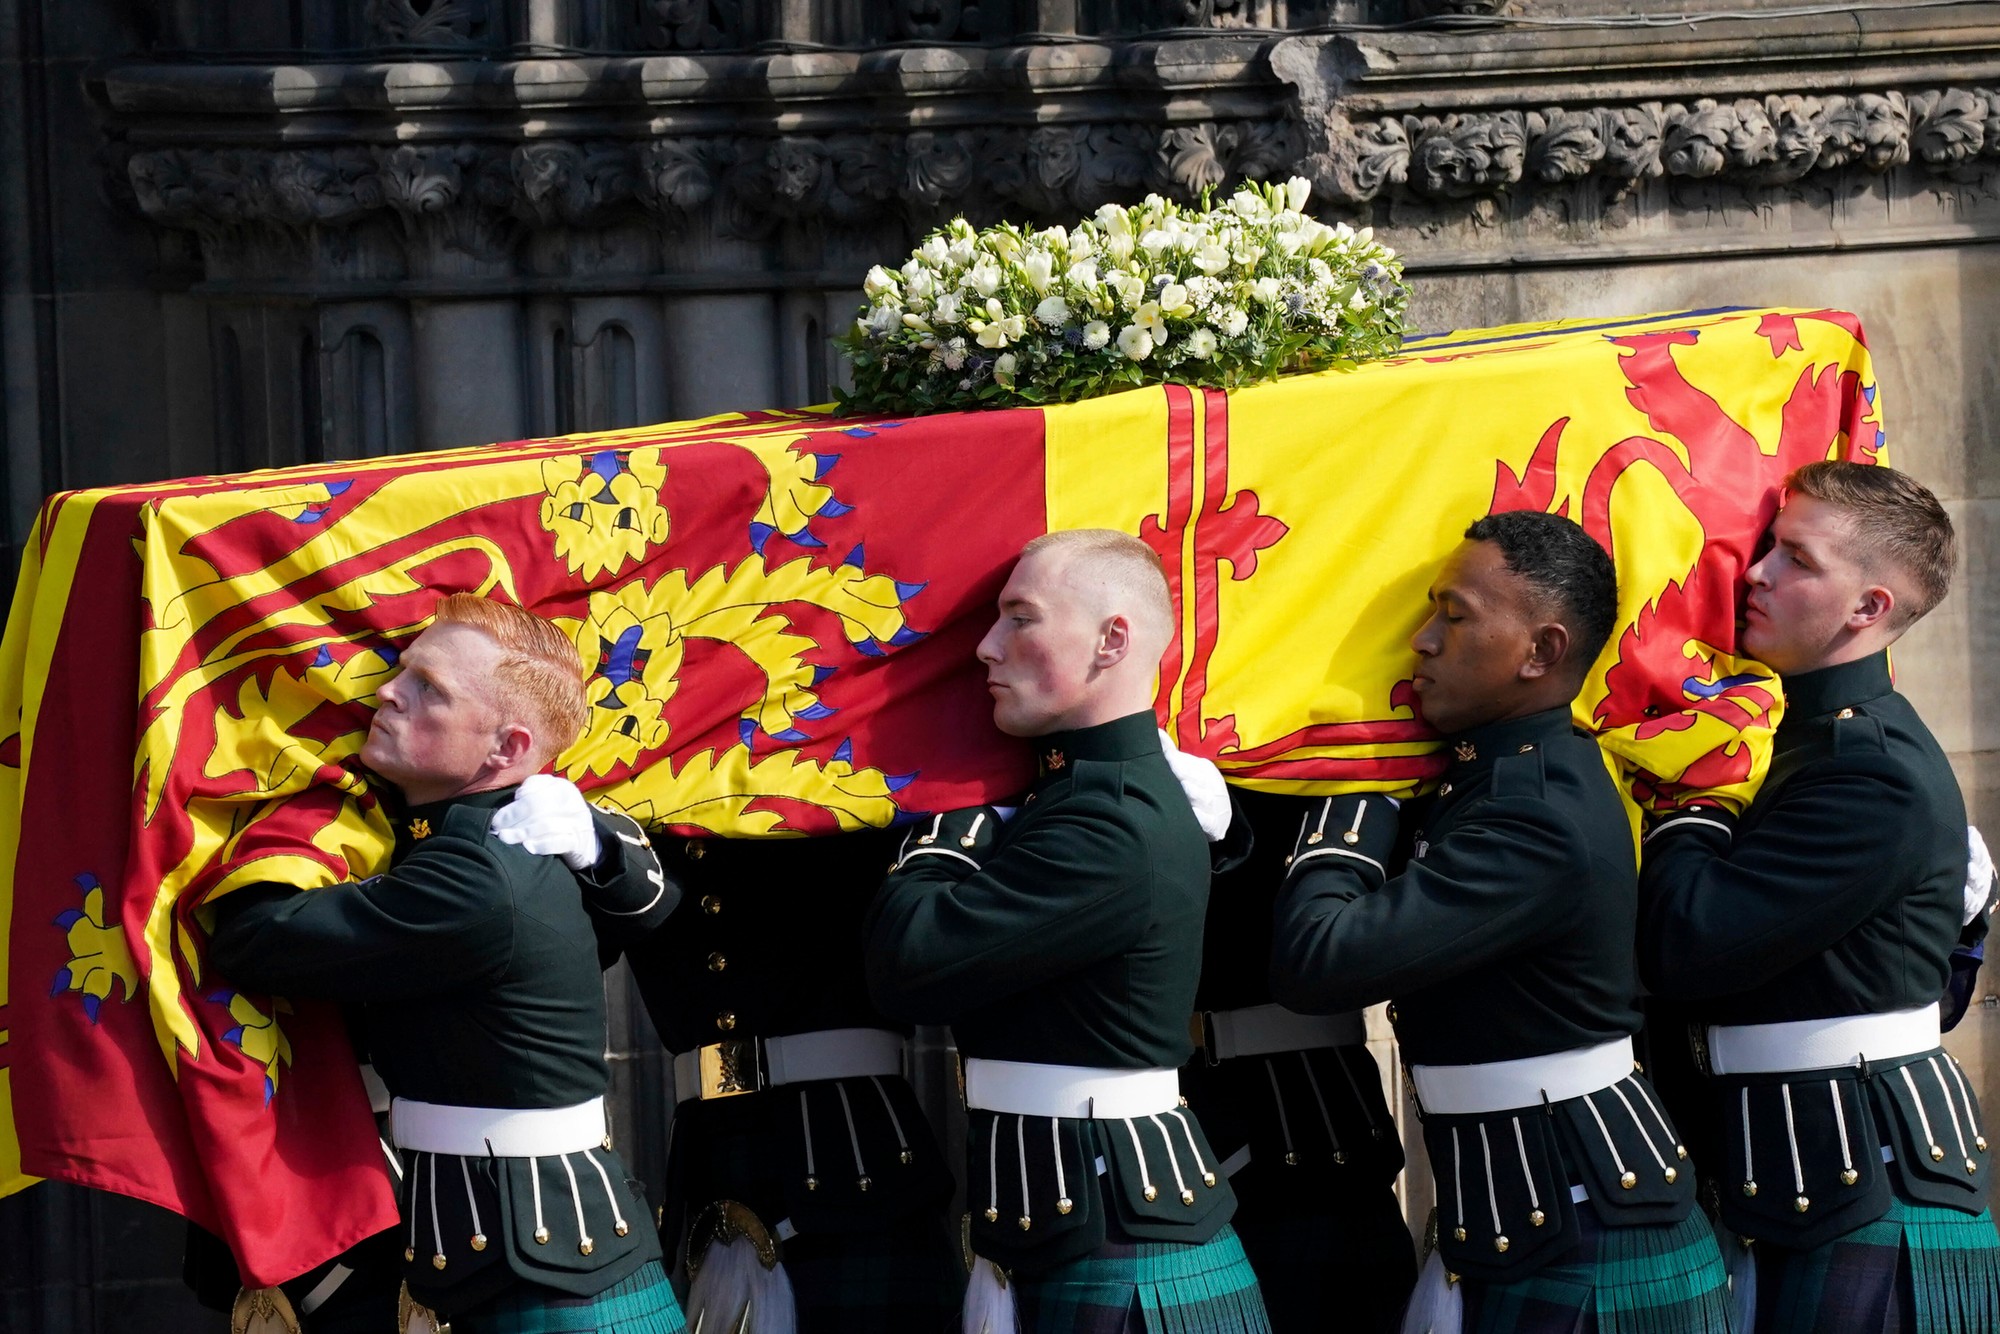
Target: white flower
[1297, 191]
[1288, 241]
[1040, 267]
[1003, 369]
[1096, 334]
[1053, 312]
[1265, 290]
[999, 333]
[1174, 300]
[1083, 273]
[1201, 345]
[1233, 321]
[1081, 246]
[1130, 287]
[1154, 242]
[1201, 290]
[994, 310]
[1319, 270]
[1113, 220]
[1004, 245]
[1247, 255]
[1118, 245]
[935, 251]
[1249, 204]
[961, 251]
[1135, 343]
[953, 354]
[1149, 318]
[986, 279]
[947, 311]
[917, 322]
[920, 285]
[879, 282]
[1212, 259]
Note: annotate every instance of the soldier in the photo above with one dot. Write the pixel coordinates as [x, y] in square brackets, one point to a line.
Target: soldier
[1811, 938]
[1294, 1105]
[1063, 945]
[796, 1132]
[1505, 945]
[474, 963]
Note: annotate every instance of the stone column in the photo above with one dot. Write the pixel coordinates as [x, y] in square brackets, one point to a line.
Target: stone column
[468, 370]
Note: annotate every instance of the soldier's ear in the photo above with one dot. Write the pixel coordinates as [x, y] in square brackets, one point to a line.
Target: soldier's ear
[1547, 651]
[1872, 607]
[513, 744]
[1114, 640]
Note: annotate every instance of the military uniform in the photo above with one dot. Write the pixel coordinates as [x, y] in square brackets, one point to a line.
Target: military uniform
[475, 969]
[844, 1172]
[1505, 946]
[1810, 942]
[1062, 945]
[1294, 1106]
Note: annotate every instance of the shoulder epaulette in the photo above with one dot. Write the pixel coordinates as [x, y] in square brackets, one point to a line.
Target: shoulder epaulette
[1520, 774]
[1856, 732]
[467, 822]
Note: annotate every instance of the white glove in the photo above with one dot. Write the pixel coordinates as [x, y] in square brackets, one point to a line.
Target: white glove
[550, 818]
[1978, 875]
[1206, 792]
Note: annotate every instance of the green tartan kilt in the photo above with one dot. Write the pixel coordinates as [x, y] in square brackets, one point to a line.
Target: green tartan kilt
[1147, 1287]
[1918, 1269]
[1653, 1278]
[641, 1304]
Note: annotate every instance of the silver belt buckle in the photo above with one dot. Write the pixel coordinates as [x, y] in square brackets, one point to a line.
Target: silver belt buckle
[730, 1068]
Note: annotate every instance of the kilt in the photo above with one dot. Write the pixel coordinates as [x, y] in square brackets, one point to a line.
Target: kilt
[1918, 1269]
[1147, 1287]
[907, 1278]
[642, 1304]
[1664, 1278]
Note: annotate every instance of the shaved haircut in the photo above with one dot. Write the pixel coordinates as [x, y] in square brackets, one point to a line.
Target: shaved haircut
[1121, 574]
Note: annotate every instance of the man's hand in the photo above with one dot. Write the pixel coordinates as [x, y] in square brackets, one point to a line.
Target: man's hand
[1206, 792]
[550, 818]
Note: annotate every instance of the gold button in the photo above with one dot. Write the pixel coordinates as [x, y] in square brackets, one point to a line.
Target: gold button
[1845, 713]
[437, 1262]
[1629, 1180]
[1501, 1244]
[1350, 838]
[1849, 1177]
[696, 849]
[711, 904]
[1392, 1012]
[1536, 1218]
[1064, 1205]
[717, 962]
[1750, 1189]
[1458, 1234]
[479, 1241]
[1802, 1204]
[726, 1021]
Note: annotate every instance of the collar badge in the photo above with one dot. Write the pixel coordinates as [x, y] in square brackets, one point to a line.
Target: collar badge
[1465, 750]
[420, 829]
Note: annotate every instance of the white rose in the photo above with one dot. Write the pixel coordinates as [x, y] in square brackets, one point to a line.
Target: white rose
[1265, 290]
[1174, 300]
[1053, 311]
[1201, 345]
[1233, 321]
[879, 282]
[935, 251]
[1297, 191]
[1135, 343]
[1040, 267]
[986, 279]
[1211, 259]
[1096, 334]
[1119, 246]
[1003, 369]
[1083, 273]
[947, 311]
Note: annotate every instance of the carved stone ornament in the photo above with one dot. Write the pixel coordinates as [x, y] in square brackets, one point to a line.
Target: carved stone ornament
[1749, 141]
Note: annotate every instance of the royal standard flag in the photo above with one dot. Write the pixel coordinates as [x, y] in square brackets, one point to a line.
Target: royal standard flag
[777, 612]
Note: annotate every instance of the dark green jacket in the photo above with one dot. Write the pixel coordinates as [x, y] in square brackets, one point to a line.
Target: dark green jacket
[1069, 934]
[1300, 1162]
[1839, 891]
[1507, 934]
[475, 969]
[770, 945]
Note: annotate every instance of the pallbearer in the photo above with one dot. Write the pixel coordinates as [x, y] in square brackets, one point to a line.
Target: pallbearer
[473, 965]
[1294, 1105]
[1565, 1199]
[1062, 942]
[1812, 937]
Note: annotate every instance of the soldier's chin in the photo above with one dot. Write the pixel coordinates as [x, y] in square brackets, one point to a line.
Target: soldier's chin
[1011, 722]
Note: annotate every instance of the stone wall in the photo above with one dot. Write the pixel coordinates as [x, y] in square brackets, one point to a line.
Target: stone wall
[239, 234]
